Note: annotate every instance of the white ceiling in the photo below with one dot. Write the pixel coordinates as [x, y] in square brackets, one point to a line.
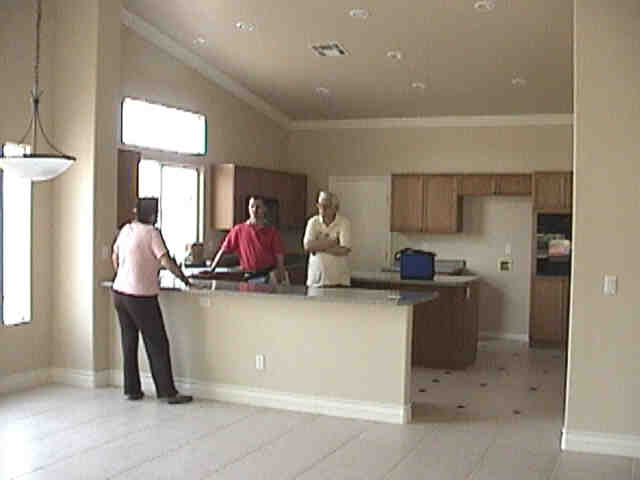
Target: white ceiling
[466, 59]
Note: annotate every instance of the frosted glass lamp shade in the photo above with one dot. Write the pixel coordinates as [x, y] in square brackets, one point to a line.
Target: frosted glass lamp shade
[36, 167]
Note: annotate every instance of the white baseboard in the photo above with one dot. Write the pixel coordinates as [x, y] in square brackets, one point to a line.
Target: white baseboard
[519, 337]
[337, 407]
[24, 380]
[81, 378]
[601, 443]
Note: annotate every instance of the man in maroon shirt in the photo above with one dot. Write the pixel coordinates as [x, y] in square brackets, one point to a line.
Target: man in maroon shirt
[259, 246]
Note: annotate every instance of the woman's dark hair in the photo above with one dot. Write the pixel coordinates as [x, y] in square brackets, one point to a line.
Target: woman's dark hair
[147, 210]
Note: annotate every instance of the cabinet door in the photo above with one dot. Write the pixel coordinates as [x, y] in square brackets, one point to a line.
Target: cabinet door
[221, 196]
[128, 161]
[477, 184]
[442, 205]
[552, 190]
[406, 203]
[549, 311]
[513, 184]
[298, 211]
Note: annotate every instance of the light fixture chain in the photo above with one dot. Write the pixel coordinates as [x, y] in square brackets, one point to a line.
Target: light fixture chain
[36, 67]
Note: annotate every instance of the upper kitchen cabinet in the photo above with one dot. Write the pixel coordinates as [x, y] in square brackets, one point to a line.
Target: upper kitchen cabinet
[127, 195]
[426, 203]
[477, 184]
[442, 208]
[406, 203]
[230, 187]
[552, 190]
[513, 184]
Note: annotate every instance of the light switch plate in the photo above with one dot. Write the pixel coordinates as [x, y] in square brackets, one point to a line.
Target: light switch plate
[610, 286]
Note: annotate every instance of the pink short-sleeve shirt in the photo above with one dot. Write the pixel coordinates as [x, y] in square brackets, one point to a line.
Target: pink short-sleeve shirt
[139, 247]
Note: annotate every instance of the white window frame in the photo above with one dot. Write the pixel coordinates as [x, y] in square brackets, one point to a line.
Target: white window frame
[200, 170]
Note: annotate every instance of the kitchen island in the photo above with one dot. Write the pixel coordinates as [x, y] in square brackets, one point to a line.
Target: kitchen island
[445, 331]
[344, 352]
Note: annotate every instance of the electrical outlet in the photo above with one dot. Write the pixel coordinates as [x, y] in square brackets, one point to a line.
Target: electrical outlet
[105, 252]
[610, 286]
[259, 362]
[505, 264]
[507, 250]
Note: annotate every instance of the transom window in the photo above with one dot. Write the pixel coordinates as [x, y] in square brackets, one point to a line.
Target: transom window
[155, 126]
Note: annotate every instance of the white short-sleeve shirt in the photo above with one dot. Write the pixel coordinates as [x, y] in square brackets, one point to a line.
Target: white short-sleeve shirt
[324, 268]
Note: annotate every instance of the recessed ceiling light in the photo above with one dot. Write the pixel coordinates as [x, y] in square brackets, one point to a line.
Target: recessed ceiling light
[518, 82]
[323, 91]
[418, 85]
[484, 5]
[199, 41]
[360, 13]
[247, 27]
[395, 54]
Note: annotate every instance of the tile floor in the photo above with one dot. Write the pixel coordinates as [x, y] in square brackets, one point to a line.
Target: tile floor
[500, 419]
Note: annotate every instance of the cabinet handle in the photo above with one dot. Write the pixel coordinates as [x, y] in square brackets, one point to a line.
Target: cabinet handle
[468, 293]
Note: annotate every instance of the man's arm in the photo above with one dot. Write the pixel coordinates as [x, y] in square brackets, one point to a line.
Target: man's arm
[114, 260]
[217, 259]
[338, 251]
[320, 245]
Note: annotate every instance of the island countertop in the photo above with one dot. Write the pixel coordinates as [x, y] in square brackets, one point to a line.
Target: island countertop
[394, 277]
[297, 292]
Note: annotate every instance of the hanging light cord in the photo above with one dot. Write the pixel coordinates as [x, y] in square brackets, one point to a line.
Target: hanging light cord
[35, 122]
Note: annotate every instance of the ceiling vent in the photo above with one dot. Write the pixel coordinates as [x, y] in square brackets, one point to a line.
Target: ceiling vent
[331, 49]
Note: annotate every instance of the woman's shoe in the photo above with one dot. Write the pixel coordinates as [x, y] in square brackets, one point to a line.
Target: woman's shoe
[135, 396]
[177, 399]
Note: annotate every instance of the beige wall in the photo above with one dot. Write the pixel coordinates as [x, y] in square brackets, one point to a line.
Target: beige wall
[107, 115]
[504, 298]
[74, 97]
[237, 133]
[490, 223]
[27, 347]
[604, 382]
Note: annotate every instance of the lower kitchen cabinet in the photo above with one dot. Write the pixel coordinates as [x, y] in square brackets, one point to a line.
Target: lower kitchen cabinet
[549, 321]
[445, 330]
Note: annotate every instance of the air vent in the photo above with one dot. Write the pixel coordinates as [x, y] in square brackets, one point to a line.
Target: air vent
[332, 49]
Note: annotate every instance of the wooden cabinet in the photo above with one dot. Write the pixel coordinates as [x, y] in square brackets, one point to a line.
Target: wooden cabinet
[477, 184]
[127, 194]
[230, 187]
[549, 319]
[406, 203]
[425, 203]
[442, 208]
[445, 330]
[495, 184]
[513, 184]
[552, 190]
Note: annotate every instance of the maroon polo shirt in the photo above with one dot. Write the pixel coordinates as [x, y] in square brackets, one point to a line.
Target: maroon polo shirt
[257, 246]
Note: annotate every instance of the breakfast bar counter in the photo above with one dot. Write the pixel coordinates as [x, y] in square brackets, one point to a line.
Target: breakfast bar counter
[343, 352]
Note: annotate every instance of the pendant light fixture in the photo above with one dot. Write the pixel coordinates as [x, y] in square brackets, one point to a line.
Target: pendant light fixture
[24, 160]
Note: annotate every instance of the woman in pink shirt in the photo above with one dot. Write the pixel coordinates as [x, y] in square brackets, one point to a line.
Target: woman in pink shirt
[138, 253]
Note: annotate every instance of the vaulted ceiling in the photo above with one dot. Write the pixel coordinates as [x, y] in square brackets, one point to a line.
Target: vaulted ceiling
[515, 58]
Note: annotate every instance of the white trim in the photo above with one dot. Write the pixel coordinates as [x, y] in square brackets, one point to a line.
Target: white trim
[24, 380]
[601, 443]
[436, 122]
[519, 337]
[81, 378]
[155, 36]
[338, 407]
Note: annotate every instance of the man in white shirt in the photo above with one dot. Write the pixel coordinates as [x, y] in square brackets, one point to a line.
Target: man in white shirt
[327, 239]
